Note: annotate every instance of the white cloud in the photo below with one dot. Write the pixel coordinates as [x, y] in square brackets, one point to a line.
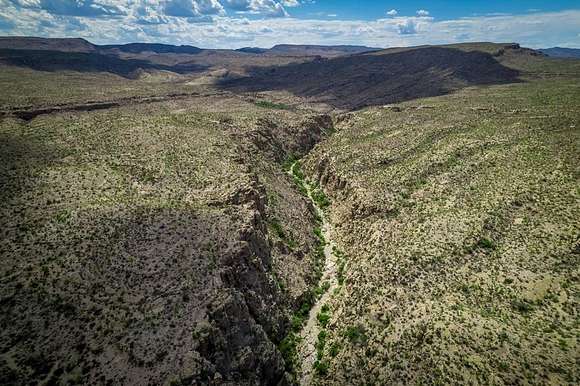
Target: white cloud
[269, 8]
[393, 12]
[290, 3]
[422, 12]
[193, 8]
[407, 27]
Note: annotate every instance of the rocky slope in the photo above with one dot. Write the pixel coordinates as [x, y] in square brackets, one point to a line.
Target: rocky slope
[458, 216]
[153, 244]
[386, 76]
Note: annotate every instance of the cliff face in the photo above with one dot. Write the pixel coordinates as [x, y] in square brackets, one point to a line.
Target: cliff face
[173, 249]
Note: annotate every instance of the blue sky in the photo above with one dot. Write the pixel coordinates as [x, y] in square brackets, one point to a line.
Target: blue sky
[263, 23]
[444, 10]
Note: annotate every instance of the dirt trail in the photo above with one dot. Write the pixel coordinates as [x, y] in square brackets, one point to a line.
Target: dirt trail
[310, 331]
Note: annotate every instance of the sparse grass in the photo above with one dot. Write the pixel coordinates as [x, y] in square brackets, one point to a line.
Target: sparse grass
[110, 206]
[272, 105]
[469, 228]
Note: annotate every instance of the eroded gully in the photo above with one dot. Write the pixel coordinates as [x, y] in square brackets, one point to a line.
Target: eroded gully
[309, 334]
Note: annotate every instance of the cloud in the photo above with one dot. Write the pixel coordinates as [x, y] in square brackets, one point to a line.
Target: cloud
[193, 8]
[407, 27]
[269, 8]
[393, 12]
[290, 3]
[6, 24]
[86, 8]
[422, 12]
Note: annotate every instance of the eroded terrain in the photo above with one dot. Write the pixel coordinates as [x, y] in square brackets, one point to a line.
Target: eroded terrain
[305, 220]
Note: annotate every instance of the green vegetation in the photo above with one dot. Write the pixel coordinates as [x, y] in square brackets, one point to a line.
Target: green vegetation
[341, 262]
[278, 230]
[323, 316]
[320, 364]
[486, 243]
[272, 105]
[319, 197]
[298, 177]
[356, 334]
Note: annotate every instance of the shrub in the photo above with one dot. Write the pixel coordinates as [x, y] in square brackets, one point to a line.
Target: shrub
[356, 334]
[272, 105]
[486, 243]
[323, 318]
[321, 368]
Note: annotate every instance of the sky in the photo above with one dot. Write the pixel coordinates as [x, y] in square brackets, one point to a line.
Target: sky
[264, 23]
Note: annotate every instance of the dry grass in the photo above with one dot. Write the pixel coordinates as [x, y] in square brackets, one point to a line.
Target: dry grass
[459, 215]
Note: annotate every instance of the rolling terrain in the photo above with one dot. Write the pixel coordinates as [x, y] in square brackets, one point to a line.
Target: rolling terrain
[382, 77]
[559, 52]
[298, 215]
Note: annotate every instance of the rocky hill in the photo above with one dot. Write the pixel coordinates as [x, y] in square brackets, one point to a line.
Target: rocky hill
[559, 52]
[383, 77]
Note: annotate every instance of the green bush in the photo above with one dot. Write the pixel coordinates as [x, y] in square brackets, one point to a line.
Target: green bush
[320, 198]
[272, 105]
[321, 368]
[323, 318]
[486, 243]
[356, 334]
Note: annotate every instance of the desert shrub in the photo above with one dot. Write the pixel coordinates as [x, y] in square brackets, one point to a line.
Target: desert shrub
[323, 316]
[356, 334]
[272, 105]
[486, 243]
[321, 368]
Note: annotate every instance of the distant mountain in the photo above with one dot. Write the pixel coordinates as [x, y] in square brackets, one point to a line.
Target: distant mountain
[313, 50]
[252, 50]
[50, 44]
[559, 52]
[386, 76]
[52, 61]
[308, 50]
[82, 45]
[136, 48]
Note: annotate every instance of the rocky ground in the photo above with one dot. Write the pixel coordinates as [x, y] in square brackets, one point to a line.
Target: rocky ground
[153, 243]
[459, 219]
[160, 230]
